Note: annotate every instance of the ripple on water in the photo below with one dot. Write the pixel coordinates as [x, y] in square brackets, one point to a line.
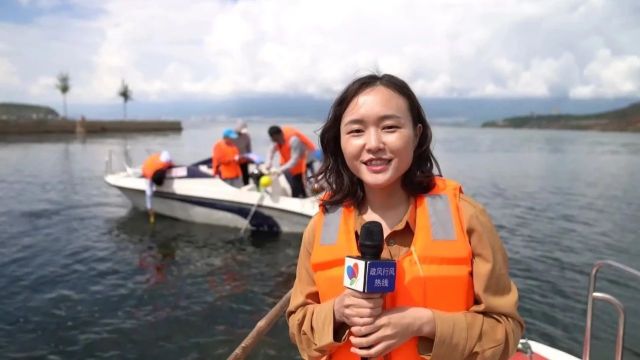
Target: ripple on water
[85, 277]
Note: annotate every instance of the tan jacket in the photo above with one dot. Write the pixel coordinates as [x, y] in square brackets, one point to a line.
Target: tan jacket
[489, 330]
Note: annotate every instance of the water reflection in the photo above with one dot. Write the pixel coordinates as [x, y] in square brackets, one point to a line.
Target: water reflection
[157, 260]
[85, 276]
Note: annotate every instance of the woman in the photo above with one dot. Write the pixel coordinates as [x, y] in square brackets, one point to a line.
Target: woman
[453, 298]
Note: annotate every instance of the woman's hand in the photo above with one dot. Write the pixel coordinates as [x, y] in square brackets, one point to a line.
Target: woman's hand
[357, 309]
[390, 330]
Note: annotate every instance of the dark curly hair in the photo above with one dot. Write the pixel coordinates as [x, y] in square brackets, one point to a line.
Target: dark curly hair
[341, 185]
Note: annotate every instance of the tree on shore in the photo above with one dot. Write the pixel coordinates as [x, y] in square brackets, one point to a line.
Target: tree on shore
[64, 86]
[126, 94]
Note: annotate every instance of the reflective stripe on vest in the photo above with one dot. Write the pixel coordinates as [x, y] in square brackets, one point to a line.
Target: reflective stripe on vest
[440, 217]
[331, 225]
[435, 273]
[439, 214]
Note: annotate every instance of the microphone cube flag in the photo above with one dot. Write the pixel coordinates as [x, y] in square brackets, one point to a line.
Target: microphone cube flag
[353, 270]
[369, 276]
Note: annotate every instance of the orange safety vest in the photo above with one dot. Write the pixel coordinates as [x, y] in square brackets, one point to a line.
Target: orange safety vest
[153, 164]
[222, 160]
[285, 149]
[435, 273]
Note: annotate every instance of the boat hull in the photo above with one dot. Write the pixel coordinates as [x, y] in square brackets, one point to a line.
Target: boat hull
[211, 201]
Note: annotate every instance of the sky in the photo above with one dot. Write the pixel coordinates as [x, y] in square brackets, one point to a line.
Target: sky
[181, 50]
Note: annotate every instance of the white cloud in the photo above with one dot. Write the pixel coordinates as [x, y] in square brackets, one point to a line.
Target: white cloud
[171, 49]
[8, 74]
[42, 86]
[609, 75]
[542, 77]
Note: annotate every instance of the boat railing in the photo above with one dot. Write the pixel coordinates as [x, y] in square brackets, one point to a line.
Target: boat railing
[125, 157]
[619, 307]
[108, 163]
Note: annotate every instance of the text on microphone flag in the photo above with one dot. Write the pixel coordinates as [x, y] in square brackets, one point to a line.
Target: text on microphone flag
[385, 271]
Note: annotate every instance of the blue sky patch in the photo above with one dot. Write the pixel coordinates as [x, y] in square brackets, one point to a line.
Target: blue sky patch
[13, 11]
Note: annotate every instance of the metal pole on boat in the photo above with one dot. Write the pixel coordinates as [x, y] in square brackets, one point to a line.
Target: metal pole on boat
[261, 328]
[253, 210]
[263, 183]
[593, 295]
[108, 168]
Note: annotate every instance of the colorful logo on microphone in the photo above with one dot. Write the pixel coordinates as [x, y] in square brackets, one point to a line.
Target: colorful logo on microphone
[352, 273]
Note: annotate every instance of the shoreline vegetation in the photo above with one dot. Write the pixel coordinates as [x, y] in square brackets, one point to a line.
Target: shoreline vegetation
[626, 119]
[23, 119]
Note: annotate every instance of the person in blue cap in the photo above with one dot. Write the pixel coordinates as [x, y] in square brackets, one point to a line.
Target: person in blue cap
[225, 159]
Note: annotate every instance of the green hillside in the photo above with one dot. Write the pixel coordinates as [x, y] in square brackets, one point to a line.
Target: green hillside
[625, 119]
[15, 111]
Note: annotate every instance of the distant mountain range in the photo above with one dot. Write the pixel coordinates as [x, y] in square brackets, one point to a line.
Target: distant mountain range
[623, 119]
[440, 111]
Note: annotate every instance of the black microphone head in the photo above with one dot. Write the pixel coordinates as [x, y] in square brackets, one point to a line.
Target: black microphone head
[371, 240]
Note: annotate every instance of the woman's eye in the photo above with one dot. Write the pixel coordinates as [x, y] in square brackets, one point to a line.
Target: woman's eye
[354, 131]
[390, 128]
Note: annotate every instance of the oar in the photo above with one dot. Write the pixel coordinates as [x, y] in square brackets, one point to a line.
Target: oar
[260, 329]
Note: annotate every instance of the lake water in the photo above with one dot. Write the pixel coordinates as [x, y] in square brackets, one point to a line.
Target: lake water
[85, 276]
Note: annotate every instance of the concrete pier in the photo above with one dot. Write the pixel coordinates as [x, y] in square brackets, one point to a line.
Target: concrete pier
[59, 126]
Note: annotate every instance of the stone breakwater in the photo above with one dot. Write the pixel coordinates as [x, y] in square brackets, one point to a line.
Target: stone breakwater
[47, 126]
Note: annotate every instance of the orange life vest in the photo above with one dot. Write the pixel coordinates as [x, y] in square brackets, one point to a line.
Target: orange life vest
[153, 164]
[223, 161]
[435, 273]
[285, 149]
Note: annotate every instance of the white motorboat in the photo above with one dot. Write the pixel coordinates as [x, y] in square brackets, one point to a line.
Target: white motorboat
[190, 193]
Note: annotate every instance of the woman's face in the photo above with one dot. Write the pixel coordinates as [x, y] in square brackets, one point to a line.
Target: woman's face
[377, 137]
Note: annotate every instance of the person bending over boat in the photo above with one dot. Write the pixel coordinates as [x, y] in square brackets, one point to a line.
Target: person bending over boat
[154, 169]
[293, 147]
[225, 159]
[453, 297]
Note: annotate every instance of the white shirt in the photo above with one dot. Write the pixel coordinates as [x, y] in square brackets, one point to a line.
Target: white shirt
[148, 193]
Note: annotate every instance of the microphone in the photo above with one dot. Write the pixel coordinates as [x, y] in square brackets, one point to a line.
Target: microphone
[367, 273]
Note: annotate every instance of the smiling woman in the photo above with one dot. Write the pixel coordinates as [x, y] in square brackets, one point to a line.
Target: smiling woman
[374, 135]
[380, 114]
[453, 297]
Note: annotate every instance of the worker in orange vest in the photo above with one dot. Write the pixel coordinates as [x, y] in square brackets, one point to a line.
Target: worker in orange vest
[225, 159]
[453, 297]
[154, 169]
[293, 147]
